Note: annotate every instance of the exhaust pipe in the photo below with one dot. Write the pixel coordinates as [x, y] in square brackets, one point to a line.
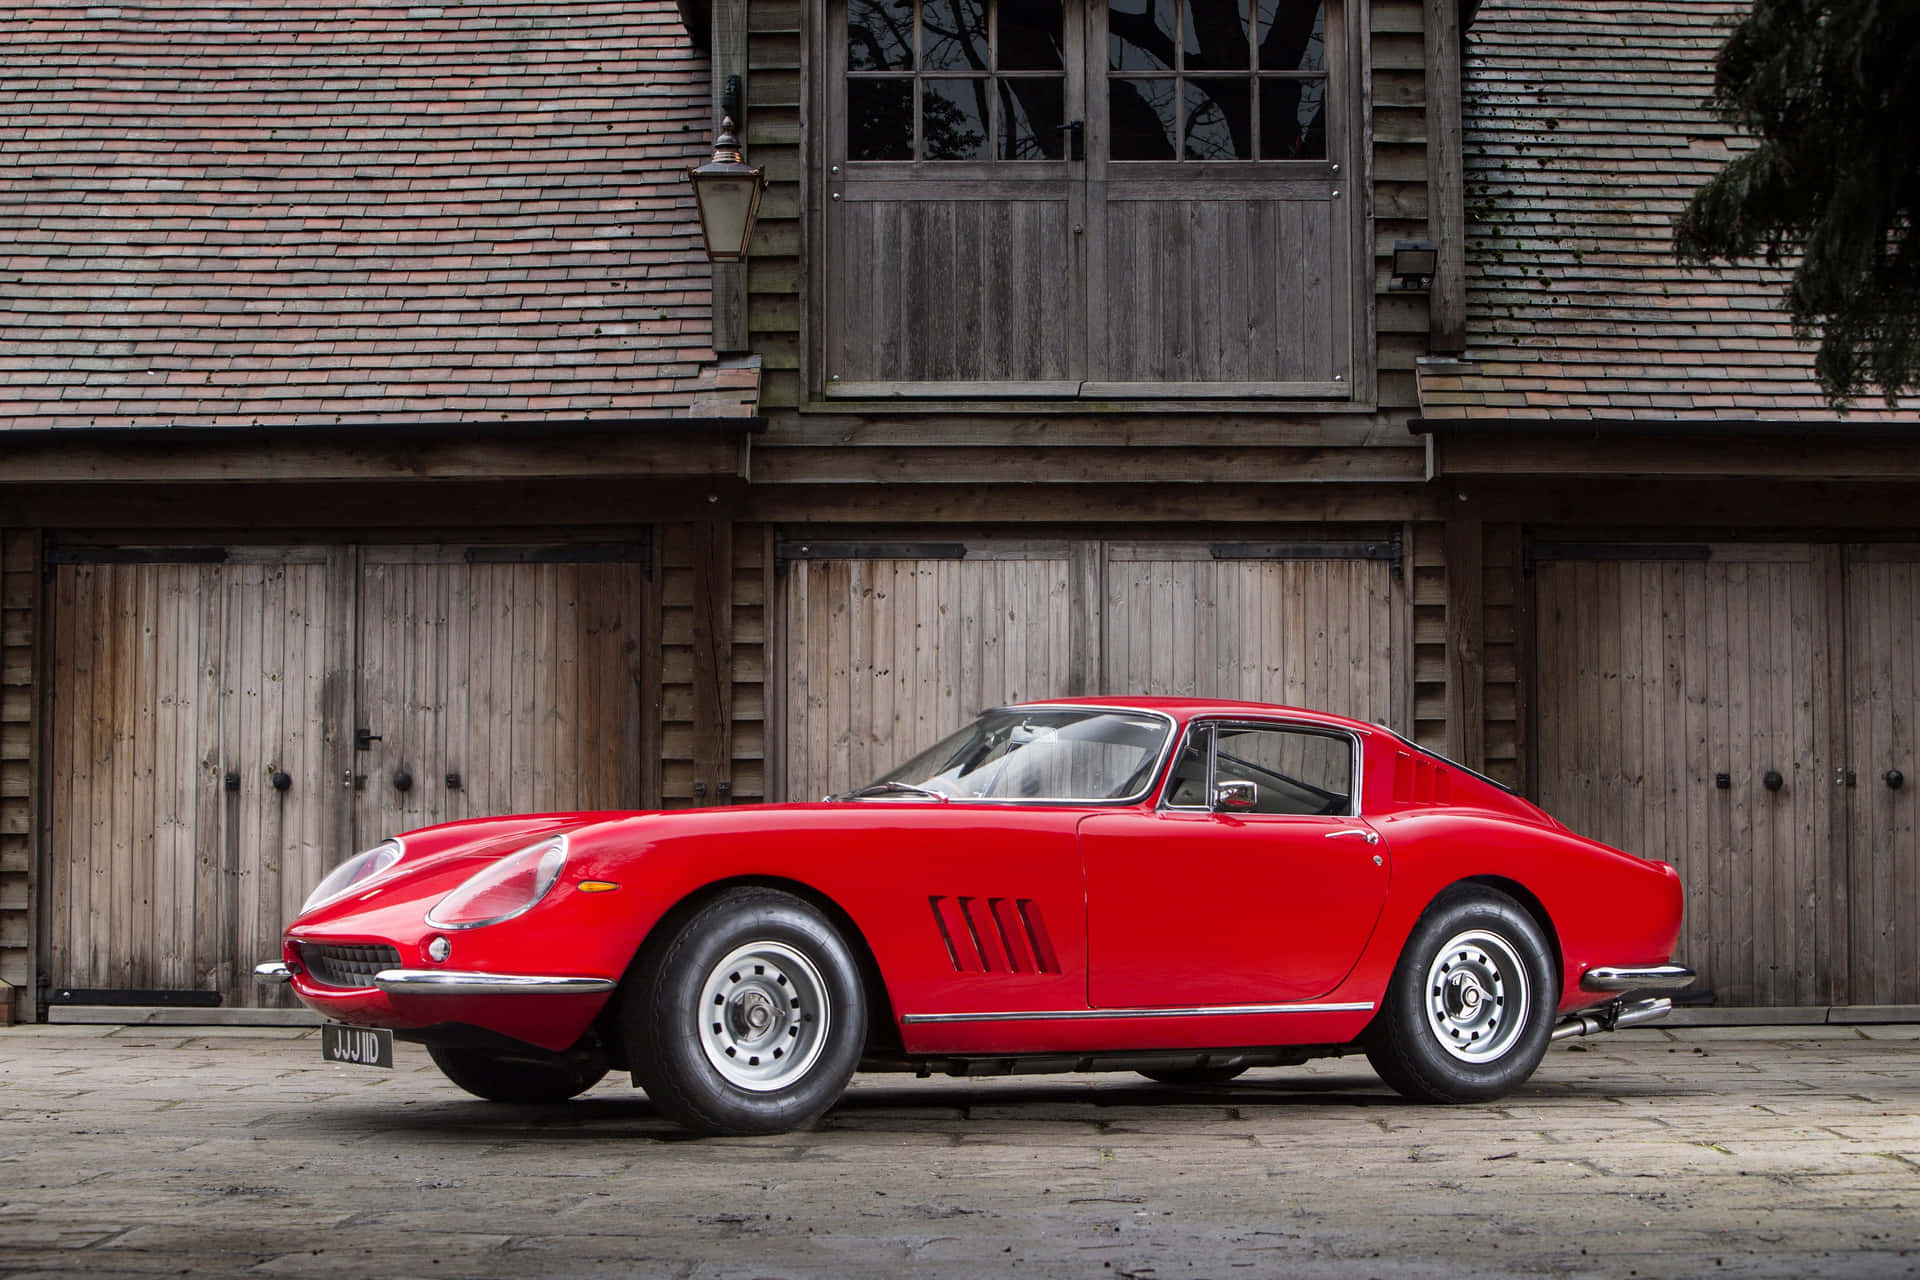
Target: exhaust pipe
[1611, 1017]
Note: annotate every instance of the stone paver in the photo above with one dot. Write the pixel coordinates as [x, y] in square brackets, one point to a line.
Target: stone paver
[163, 1151]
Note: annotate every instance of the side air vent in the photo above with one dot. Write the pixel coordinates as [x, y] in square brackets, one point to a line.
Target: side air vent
[1417, 780]
[994, 935]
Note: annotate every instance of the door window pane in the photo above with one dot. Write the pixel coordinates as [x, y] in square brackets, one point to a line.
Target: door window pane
[1030, 36]
[1293, 35]
[880, 35]
[1215, 36]
[1219, 120]
[1143, 118]
[953, 36]
[953, 119]
[1031, 113]
[1140, 35]
[1293, 119]
[880, 119]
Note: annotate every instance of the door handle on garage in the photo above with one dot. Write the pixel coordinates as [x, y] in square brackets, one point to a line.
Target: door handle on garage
[1371, 837]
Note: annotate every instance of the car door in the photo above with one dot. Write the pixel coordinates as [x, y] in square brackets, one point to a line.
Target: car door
[1269, 901]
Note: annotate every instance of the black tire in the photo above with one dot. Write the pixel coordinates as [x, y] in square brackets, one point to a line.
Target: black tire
[750, 1019]
[1448, 1030]
[504, 1076]
[1193, 1076]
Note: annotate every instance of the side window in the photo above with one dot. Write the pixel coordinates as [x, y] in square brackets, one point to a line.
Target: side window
[1187, 789]
[1293, 771]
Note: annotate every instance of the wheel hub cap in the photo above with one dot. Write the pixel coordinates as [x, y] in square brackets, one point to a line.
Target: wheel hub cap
[764, 1016]
[1477, 996]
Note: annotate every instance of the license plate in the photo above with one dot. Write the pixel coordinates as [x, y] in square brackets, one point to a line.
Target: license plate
[357, 1046]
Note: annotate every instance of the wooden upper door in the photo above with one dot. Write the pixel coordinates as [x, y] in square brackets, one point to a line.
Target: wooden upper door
[195, 703]
[1689, 706]
[1883, 764]
[1066, 199]
[497, 680]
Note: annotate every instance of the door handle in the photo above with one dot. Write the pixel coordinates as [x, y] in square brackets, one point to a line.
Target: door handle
[1371, 837]
[363, 739]
[1076, 131]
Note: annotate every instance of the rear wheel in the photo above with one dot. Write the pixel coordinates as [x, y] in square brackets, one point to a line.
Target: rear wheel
[751, 1019]
[1469, 1013]
[507, 1076]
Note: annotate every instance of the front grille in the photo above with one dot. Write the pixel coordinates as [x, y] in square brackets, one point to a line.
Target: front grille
[346, 965]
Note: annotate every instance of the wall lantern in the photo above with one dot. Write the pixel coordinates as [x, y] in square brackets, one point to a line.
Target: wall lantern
[1413, 266]
[728, 191]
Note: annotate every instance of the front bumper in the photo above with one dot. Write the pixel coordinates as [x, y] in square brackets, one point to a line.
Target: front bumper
[450, 982]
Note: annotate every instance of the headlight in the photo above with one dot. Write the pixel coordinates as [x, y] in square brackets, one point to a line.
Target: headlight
[352, 873]
[503, 890]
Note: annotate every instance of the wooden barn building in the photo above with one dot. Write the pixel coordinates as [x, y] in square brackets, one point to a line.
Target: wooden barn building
[377, 445]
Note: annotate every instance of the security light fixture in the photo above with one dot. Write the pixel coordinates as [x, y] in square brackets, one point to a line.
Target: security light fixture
[1413, 266]
[727, 190]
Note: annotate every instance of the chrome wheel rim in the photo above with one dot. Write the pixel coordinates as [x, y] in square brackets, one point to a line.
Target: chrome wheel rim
[764, 1016]
[1477, 996]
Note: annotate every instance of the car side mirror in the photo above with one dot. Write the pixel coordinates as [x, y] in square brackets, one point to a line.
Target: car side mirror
[1236, 797]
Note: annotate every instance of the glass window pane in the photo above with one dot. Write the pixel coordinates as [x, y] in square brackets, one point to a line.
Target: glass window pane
[1031, 35]
[1216, 36]
[1293, 119]
[1219, 120]
[1031, 113]
[1141, 115]
[1297, 773]
[879, 119]
[1293, 35]
[880, 35]
[953, 120]
[1140, 35]
[953, 35]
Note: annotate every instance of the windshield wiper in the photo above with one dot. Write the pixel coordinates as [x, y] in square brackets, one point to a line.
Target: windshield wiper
[891, 788]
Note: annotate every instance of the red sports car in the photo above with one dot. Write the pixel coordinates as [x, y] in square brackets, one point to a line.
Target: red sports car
[1178, 887]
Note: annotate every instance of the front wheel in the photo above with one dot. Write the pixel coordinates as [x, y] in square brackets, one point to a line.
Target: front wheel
[1469, 1012]
[529, 1077]
[751, 1019]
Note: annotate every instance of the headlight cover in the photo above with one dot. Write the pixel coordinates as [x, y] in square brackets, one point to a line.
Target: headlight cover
[353, 873]
[505, 889]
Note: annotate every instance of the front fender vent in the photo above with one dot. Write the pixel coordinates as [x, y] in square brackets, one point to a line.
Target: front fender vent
[994, 935]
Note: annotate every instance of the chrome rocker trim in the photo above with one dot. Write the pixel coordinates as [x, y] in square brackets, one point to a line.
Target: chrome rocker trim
[454, 982]
[1652, 977]
[1197, 1011]
[273, 971]
[1612, 1017]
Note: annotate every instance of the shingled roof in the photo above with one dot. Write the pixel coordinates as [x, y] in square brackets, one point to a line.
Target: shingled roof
[1586, 131]
[285, 213]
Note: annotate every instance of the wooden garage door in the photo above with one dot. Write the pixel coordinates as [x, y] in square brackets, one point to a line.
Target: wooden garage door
[205, 706]
[497, 680]
[1883, 704]
[1672, 682]
[887, 647]
[179, 691]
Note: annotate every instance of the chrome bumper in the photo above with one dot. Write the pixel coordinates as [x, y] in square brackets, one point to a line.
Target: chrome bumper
[273, 971]
[1652, 977]
[1612, 1017]
[453, 982]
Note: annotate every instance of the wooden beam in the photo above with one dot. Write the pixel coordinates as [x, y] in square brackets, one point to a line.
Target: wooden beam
[1184, 504]
[1446, 178]
[730, 330]
[711, 544]
[1574, 453]
[1466, 642]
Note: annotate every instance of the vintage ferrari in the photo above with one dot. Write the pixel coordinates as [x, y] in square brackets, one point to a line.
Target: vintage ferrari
[1177, 887]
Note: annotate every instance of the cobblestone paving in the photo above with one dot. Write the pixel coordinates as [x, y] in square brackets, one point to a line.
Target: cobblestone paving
[1730, 1151]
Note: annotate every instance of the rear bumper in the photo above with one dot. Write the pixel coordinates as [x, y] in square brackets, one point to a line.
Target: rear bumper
[1651, 977]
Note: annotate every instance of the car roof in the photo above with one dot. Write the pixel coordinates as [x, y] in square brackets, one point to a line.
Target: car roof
[1184, 709]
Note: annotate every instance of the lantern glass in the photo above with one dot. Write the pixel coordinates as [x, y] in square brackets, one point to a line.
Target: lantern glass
[729, 198]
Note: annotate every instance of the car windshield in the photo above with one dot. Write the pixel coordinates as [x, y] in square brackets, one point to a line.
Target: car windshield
[1031, 753]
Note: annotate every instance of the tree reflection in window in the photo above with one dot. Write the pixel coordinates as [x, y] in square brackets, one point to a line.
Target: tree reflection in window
[955, 80]
[1243, 81]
